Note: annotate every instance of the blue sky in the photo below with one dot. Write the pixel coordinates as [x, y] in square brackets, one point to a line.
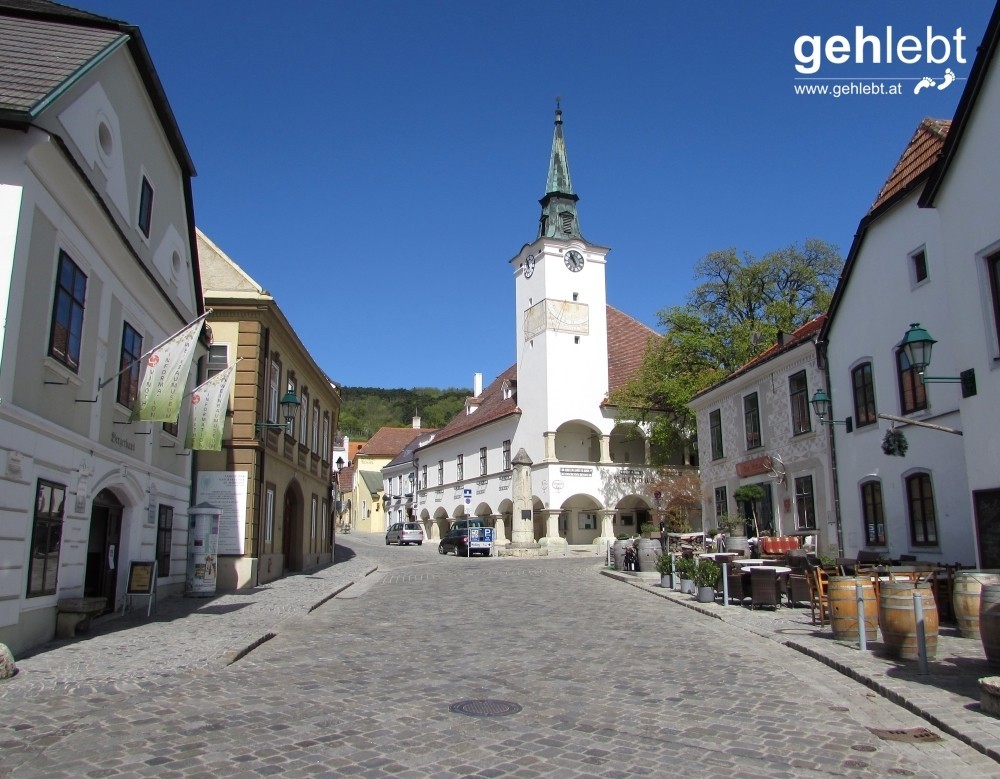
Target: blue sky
[375, 165]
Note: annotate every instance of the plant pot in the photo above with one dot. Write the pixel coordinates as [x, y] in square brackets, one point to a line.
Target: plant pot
[687, 586]
[667, 581]
[706, 594]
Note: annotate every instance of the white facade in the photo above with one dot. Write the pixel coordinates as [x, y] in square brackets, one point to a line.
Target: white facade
[784, 449]
[95, 253]
[928, 254]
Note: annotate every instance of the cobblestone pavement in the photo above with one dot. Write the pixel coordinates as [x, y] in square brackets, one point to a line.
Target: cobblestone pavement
[610, 682]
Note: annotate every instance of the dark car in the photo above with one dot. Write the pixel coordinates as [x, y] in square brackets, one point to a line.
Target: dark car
[457, 541]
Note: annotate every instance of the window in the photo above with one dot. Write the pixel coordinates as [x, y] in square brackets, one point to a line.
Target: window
[272, 392]
[326, 436]
[993, 268]
[715, 427]
[460, 467]
[482, 461]
[304, 419]
[66, 333]
[315, 429]
[46, 534]
[920, 497]
[912, 393]
[918, 261]
[170, 428]
[164, 539]
[864, 394]
[324, 513]
[314, 511]
[145, 206]
[268, 514]
[218, 360]
[440, 472]
[721, 504]
[506, 455]
[423, 476]
[798, 393]
[805, 504]
[873, 513]
[751, 418]
[128, 364]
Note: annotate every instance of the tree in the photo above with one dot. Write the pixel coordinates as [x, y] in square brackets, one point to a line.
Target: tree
[727, 320]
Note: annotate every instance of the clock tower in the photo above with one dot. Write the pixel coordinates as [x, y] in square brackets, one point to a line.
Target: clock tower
[561, 312]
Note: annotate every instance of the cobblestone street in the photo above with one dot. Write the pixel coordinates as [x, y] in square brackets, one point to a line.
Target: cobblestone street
[608, 681]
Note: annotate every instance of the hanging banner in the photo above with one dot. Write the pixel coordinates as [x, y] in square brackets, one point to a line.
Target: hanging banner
[208, 411]
[165, 380]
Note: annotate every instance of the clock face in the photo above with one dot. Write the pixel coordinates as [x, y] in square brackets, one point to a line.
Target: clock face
[574, 260]
[529, 266]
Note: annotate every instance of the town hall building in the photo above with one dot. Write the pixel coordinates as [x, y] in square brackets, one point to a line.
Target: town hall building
[541, 454]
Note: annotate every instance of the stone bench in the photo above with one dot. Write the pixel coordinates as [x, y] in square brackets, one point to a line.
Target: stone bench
[74, 614]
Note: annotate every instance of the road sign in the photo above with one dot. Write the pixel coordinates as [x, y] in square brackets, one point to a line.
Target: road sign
[480, 537]
[467, 492]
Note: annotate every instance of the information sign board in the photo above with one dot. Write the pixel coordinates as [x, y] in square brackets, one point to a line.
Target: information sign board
[480, 537]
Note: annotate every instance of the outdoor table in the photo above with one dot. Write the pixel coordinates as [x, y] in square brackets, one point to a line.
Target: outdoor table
[780, 571]
[744, 562]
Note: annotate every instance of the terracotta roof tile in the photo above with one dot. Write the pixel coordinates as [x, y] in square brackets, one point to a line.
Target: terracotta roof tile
[917, 159]
[389, 441]
[627, 342]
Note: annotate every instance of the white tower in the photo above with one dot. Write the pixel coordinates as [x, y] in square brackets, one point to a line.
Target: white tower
[561, 311]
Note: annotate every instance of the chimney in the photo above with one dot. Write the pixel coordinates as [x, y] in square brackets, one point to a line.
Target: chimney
[477, 384]
[781, 338]
[416, 422]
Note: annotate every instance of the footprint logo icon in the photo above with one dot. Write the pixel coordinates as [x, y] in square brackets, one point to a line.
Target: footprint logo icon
[925, 82]
[949, 76]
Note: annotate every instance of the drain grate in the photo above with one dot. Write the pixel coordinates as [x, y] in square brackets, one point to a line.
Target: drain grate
[484, 708]
[911, 735]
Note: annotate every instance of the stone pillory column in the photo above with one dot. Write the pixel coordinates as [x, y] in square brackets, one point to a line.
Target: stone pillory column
[522, 534]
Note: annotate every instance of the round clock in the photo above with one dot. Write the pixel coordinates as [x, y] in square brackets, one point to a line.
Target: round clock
[574, 260]
[529, 266]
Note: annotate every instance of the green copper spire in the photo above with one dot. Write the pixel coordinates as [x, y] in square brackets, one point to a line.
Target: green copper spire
[559, 217]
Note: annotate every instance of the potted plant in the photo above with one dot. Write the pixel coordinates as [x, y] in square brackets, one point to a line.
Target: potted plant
[647, 529]
[686, 567]
[665, 567]
[706, 576]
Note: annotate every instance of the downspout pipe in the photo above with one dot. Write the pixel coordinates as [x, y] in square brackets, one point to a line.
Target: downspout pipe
[261, 455]
[832, 445]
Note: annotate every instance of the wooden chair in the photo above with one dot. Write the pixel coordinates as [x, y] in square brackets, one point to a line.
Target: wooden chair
[818, 600]
[739, 585]
[763, 588]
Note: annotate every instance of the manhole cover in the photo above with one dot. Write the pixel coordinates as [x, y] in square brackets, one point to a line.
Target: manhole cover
[900, 772]
[839, 708]
[854, 764]
[863, 748]
[912, 735]
[484, 708]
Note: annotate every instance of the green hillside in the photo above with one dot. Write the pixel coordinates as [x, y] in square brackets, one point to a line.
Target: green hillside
[365, 409]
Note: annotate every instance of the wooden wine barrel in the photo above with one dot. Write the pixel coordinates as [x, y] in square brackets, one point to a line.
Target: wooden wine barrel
[618, 553]
[989, 623]
[965, 593]
[842, 594]
[649, 549]
[898, 622]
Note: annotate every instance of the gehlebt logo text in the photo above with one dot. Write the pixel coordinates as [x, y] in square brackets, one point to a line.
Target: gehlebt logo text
[816, 57]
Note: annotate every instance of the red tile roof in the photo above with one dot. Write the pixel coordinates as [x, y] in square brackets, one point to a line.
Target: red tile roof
[492, 406]
[917, 159]
[627, 342]
[389, 441]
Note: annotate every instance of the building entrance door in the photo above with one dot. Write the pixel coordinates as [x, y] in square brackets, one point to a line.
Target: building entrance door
[104, 548]
[987, 503]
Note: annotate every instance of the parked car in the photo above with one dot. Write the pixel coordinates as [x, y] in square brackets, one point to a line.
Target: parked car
[404, 534]
[457, 539]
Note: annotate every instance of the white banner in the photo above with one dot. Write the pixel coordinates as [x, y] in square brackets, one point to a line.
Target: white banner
[165, 380]
[209, 402]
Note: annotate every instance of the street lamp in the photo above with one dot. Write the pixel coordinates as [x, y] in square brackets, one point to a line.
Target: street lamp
[289, 405]
[823, 407]
[916, 346]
